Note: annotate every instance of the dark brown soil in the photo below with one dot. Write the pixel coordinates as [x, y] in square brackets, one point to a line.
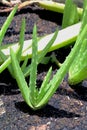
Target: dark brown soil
[66, 110]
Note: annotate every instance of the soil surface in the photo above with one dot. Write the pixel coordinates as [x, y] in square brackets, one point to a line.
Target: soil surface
[67, 109]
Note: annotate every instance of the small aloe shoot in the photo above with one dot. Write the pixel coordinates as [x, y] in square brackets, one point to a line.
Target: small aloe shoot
[30, 92]
[38, 97]
[33, 95]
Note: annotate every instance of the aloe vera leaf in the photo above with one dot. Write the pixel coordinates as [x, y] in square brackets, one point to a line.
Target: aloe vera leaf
[84, 16]
[56, 7]
[65, 37]
[47, 47]
[5, 64]
[19, 51]
[20, 79]
[26, 71]
[43, 52]
[79, 63]
[83, 46]
[21, 40]
[75, 79]
[43, 87]
[46, 60]
[58, 77]
[70, 15]
[23, 66]
[75, 67]
[83, 62]
[33, 68]
[84, 5]
[78, 71]
[78, 77]
[7, 24]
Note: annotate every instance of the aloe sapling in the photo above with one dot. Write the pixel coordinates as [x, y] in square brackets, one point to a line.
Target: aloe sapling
[34, 97]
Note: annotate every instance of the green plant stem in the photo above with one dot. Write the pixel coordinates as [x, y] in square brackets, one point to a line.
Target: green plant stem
[56, 7]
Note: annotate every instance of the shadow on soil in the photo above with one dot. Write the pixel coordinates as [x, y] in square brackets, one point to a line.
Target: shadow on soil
[8, 85]
[48, 111]
[78, 91]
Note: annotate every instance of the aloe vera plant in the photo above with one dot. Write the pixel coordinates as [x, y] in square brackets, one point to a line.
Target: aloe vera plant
[34, 97]
[30, 92]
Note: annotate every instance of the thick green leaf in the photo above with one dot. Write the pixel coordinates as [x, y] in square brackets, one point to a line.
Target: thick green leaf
[42, 53]
[76, 71]
[78, 77]
[44, 87]
[23, 66]
[84, 5]
[33, 68]
[84, 17]
[21, 40]
[46, 49]
[70, 15]
[20, 79]
[7, 24]
[58, 77]
[6, 63]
